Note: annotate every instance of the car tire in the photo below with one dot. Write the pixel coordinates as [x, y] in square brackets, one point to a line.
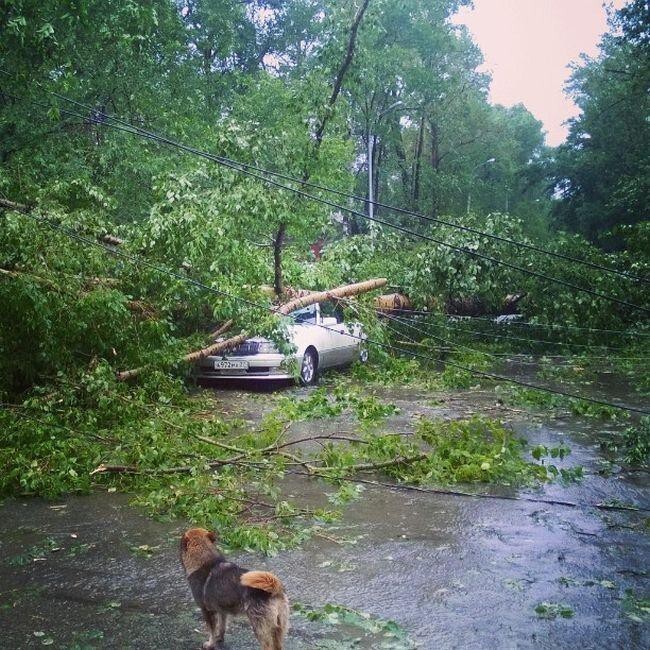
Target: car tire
[363, 354]
[309, 368]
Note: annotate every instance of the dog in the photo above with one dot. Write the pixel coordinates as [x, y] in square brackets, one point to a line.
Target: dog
[221, 588]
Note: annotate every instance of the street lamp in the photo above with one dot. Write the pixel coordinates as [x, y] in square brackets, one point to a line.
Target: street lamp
[371, 143]
[489, 161]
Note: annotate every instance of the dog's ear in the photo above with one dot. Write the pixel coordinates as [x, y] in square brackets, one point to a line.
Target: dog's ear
[212, 536]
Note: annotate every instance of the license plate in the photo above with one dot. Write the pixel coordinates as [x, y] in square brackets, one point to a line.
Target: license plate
[230, 364]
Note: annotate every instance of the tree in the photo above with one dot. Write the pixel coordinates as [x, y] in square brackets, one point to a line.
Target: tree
[603, 171]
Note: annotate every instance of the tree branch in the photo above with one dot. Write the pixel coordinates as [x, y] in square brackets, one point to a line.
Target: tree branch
[340, 75]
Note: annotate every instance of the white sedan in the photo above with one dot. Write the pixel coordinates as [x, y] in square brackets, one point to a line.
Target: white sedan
[320, 342]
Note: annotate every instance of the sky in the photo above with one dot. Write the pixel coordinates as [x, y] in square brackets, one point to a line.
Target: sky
[527, 46]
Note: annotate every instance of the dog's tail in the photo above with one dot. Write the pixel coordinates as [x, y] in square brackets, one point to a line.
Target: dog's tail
[263, 580]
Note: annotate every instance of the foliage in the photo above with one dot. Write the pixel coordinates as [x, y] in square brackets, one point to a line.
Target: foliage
[636, 608]
[551, 611]
[155, 442]
[633, 443]
[476, 450]
[38, 551]
[384, 634]
[319, 404]
[440, 279]
[567, 474]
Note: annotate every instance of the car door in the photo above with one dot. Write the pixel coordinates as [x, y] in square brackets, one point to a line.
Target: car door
[341, 345]
[348, 343]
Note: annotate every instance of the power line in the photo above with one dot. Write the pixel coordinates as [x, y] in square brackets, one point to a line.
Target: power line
[139, 261]
[237, 167]
[414, 328]
[509, 323]
[492, 355]
[525, 339]
[495, 321]
[559, 326]
[418, 215]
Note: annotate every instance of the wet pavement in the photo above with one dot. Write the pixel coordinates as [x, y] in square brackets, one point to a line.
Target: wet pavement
[454, 572]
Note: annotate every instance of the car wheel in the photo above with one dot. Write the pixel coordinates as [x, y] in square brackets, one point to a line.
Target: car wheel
[309, 368]
[363, 354]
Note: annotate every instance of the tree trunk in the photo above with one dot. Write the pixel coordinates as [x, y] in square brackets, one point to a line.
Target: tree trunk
[339, 292]
[340, 75]
[415, 196]
[435, 166]
[278, 284]
[192, 357]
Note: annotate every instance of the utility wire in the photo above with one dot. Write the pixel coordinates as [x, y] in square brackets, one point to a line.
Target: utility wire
[525, 339]
[414, 328]
[493, 355]
[367, 201]
[237, 167]
[496, 355]
[560, 326]
[70, 233]
[508, 323]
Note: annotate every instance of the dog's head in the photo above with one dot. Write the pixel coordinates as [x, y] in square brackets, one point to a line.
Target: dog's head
[197, 548]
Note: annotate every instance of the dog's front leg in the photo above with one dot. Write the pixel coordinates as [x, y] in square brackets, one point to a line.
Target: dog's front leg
[212, 620]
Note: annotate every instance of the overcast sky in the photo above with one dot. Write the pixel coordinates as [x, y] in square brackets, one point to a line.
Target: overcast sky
[527, 46]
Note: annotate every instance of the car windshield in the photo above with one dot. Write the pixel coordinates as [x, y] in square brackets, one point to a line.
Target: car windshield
[305, 315]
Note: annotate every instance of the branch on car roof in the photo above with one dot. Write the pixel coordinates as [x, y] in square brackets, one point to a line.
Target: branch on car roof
[331, 294]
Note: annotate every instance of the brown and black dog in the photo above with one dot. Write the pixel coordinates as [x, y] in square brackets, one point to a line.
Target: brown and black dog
[221, 588]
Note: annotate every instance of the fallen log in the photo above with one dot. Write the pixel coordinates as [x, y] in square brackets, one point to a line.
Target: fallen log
[192, 357]
[17, 207]
[215, 334]
[390, 303]
[332, 294]
[511, 302]
[111, 240]
[215, 348]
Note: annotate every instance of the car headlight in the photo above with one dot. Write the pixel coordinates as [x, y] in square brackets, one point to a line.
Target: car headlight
[267, 347]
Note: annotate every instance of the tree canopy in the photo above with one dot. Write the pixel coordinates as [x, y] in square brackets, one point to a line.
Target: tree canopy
[603, 170]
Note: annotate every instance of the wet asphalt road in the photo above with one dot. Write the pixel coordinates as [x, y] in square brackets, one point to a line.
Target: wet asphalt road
[454, 572]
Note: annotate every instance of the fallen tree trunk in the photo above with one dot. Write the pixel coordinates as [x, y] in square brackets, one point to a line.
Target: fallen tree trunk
[215, 348]
[298, 303]
[192, 357]
[18, 207]
[390, 303]
[332, 294]
[111, 240]
[215, 334]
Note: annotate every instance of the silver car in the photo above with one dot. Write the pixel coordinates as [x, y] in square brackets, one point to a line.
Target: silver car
[321, 341]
